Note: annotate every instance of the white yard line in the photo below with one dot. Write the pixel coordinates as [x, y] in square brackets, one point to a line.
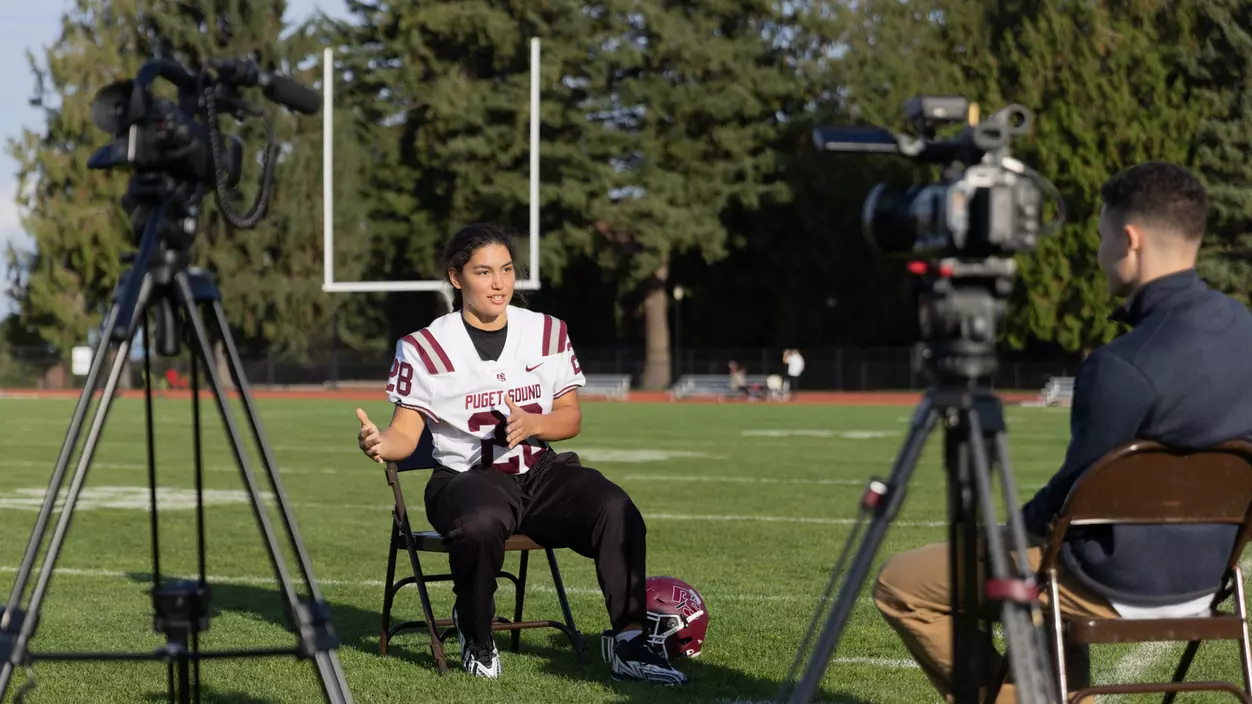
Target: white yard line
[1141, 659]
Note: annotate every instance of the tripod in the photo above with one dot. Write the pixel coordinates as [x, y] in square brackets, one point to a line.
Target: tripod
[973, 429]
[161, 282]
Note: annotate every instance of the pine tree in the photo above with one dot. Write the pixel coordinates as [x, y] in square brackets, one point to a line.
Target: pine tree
[77, 221]
[79, 230]
[704, 92]
[440, 93]
[1219, 67]
[1071, 64]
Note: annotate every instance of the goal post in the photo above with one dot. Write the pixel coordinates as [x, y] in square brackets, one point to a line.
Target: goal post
[329, 283]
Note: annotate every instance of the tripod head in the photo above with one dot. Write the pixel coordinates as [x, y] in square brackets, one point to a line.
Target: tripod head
[175, 150]
[960, 308]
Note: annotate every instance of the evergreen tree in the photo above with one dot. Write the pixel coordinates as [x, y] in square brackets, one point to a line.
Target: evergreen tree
[704, 92]
[1071, 65]
[441, 92]
[77, 221]
[1219, 68]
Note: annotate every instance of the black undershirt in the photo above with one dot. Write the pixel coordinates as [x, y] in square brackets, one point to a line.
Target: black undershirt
[488, 343]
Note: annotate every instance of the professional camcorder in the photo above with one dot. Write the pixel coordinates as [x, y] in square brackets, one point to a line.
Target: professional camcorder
[985, 204]
[963, 229]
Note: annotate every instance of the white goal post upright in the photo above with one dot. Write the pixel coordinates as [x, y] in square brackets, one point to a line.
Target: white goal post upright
[329, 284]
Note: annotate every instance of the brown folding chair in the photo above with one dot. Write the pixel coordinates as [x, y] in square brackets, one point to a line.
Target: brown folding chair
[404, 539]
[1148, 483]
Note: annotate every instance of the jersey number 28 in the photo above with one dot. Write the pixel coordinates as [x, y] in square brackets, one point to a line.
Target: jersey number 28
[500, 438]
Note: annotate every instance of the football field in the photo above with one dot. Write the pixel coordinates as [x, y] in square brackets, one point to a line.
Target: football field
[750, 503]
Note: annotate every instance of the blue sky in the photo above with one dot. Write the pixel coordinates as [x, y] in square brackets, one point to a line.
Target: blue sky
[34, 26]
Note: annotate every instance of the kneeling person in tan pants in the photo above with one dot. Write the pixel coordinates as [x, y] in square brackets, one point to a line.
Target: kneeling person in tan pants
[913, 593]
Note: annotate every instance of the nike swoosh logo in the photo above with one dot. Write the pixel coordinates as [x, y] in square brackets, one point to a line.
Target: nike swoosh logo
[531, 369]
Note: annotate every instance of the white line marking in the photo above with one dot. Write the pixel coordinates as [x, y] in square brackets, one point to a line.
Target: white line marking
[127, 497]
[737, 480]
[1141, 659]
[785, 519]
[817, 433]
[880, 662]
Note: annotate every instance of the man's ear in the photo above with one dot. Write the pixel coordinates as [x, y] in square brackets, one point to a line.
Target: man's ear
[1134, 237]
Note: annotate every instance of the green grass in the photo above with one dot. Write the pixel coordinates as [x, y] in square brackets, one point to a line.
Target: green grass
[761, 578]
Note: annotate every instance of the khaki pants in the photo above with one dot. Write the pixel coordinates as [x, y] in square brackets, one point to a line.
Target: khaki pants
[912, 592]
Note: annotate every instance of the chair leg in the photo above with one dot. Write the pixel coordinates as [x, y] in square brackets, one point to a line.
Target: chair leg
[388, 594]
[998, 683]
[1245, 647]
[520, 598]
[1058, 637]
[436, 644]
[576, 638]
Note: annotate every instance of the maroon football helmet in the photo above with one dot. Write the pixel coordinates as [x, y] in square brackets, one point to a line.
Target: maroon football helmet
[677, 617]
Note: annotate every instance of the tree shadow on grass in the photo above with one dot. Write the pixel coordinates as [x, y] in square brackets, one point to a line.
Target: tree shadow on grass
[707, 681]
[359, 629]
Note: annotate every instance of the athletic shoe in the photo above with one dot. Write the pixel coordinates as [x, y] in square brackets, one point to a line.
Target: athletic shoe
[635, 659]
[477, 660]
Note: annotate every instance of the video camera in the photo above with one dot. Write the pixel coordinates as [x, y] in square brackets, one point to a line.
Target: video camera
[986, 207]
[176, 146]
[176, 151]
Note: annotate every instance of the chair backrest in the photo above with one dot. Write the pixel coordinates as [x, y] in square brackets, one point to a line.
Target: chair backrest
[1149, 483]
[423, 457]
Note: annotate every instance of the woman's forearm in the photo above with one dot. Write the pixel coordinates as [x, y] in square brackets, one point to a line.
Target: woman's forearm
[560, 424]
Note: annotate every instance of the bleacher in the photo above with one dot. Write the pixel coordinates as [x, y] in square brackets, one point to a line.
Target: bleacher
[611, 386]
[1059, 391]
[718, 386]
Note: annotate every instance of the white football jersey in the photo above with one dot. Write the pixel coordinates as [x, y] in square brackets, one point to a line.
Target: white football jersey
[437, 372]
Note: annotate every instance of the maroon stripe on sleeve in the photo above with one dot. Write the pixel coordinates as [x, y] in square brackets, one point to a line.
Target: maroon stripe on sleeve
[430, 366]
[438, 350]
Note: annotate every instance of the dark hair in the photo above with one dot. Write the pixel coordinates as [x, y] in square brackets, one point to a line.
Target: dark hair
[469, 239]
[1159, 194]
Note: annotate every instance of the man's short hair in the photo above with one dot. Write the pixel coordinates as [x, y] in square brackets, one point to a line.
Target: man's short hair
[1159, 195]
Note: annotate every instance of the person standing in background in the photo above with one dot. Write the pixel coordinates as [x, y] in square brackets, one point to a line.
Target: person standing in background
[795, 367]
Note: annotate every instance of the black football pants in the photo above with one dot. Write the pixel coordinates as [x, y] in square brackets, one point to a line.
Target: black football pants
[560, 504]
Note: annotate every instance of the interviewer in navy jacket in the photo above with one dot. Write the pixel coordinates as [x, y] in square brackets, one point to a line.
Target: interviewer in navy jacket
[1182, 375]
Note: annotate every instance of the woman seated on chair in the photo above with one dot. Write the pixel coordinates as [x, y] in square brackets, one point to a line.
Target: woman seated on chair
[498, 383]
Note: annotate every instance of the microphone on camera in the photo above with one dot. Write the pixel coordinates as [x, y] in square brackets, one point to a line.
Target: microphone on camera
[281, 89]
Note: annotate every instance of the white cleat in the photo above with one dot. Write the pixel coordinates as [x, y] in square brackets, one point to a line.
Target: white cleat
[477, 661]
[635, 659]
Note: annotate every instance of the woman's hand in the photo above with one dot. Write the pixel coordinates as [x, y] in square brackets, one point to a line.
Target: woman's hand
[370, 440]
[522, 425]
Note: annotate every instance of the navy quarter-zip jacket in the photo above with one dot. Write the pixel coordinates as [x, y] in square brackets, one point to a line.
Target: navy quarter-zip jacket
[1182, 377]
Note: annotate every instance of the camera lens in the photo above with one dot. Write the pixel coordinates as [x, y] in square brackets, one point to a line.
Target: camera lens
[904, 220]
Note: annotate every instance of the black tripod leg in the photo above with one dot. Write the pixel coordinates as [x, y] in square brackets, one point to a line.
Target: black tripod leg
[968, 637]
[923, 423]
[267, 456]
[327, 661]
[1028, 660]
[327, 664]
[17, 648]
